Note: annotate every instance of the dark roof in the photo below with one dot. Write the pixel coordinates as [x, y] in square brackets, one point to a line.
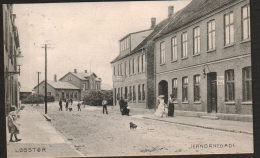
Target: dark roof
[60, 85]
[80, 75]
[193, 11]
[157, 29]
[83, 75]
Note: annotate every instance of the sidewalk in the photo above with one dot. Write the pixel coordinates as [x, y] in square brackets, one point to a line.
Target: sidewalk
[194, 121]
[39, 138]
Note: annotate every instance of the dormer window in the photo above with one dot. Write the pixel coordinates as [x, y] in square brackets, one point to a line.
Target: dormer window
[125, 44]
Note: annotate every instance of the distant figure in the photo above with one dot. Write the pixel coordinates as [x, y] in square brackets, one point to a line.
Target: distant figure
[71, 101]
[171, 106]
[123, 107]
[78, 105]
[60, 104]
[104, 104]
[70, 107]
[12, 126]
[67, 104]
[162, 107]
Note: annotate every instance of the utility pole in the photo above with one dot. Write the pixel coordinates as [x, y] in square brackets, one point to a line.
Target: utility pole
[45, 97]
[38, 82]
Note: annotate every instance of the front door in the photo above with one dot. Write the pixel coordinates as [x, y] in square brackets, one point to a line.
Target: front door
[212, 92]
[163, 90]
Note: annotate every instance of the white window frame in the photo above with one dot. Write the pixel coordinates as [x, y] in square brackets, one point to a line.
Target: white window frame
[162, 52]
[196, 40]
[174, 54]
[211, 35]
[246, 30]
[229, 38]
[184, 45]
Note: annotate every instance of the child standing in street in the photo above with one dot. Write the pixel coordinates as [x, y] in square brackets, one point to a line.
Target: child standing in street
[12, 125]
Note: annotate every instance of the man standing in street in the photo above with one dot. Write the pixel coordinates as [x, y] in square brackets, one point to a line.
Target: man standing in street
[60, 104]
[104, 104]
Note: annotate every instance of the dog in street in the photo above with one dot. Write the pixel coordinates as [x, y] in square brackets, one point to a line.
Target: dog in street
[132, 125]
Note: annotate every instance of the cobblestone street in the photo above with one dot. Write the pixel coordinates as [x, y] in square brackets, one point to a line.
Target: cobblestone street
[94, 134]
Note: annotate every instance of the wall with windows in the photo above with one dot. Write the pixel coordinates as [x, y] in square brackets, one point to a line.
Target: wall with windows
[219, 42]
[204, 40]
[130, 81]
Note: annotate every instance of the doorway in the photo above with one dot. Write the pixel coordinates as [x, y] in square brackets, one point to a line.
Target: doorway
[212, 92]
[163, 90]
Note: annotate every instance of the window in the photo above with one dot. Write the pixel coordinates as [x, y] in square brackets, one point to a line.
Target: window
[76, 95]
[211, 32]
[229, 28]
[139, 92]
[134, 96]
[143, 63]
[84, 86]
[143, 92]
[133, 66]
[162, 53]
[129, 69]
[121, 93]
[247, 84]
[130, 93]
[196, 81]
[118, 93]
[175, 88]
[49, 93]
[125, 67]
[138, 64]
[184, 45]
[245, 22]
[71, 95]
[118, 69]
[229, 85]
[185, 89]
[69, 78]
[114, 71]
[174, 49]
[196, 40]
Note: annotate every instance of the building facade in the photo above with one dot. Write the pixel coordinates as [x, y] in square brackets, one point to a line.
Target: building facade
[206, 63]
[11, 55]
[58, 89]
[85, 81]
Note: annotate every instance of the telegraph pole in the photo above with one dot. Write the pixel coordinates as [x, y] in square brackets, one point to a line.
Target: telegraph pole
[38, 82]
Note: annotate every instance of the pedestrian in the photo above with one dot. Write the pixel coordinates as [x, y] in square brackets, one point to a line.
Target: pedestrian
[171, 106]
[124, 107]
[104, 104]
[67, 104]
[71, 101]
[79, 104]
[160, 111]
[12, 125]
[60, 104]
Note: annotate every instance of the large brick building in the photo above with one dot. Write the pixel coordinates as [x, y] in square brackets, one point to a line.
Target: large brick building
[203, 57]
[11, 53]
[133, 68]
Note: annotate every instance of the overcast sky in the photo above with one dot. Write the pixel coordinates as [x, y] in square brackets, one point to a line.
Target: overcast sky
[80, 34]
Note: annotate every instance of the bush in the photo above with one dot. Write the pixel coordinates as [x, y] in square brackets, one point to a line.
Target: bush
[94, 97]
[36, 99]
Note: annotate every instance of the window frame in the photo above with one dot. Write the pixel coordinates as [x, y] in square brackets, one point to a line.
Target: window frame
[162, 52]
[196, 88]
[229, 26]
[174, 48]
[248, 18]
[184, 44]
[247, 91]
[175, 88]
[185, 86]
[196, 40]
[211, 34]
[229, 85]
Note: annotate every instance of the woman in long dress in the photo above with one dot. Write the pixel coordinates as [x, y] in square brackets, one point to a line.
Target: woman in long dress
[160, 111]
[12, 125]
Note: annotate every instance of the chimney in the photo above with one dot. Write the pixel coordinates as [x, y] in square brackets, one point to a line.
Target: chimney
[86, 71]
[170, 11]
[153, 22]
[55, 77]
[75, 70]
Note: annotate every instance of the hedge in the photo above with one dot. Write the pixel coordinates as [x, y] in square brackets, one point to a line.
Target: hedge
[95, 97]
[35, 99]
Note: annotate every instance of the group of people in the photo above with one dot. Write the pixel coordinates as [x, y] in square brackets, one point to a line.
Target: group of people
[165, 109]
[68, 105]
[124, 109]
